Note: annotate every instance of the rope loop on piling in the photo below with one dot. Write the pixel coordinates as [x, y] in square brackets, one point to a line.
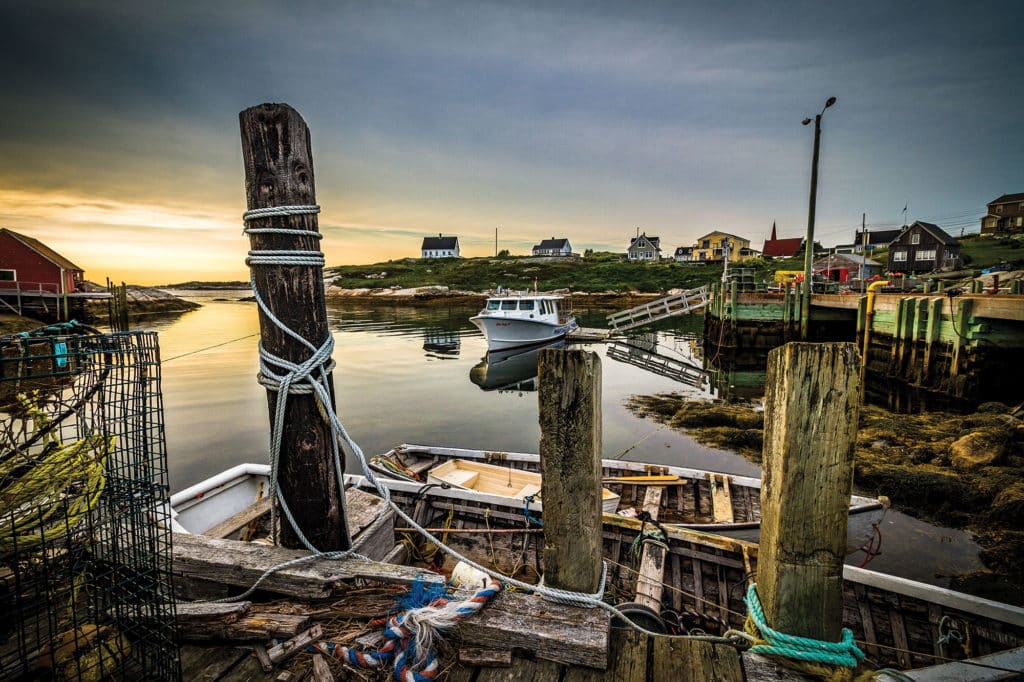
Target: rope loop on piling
[815, 655]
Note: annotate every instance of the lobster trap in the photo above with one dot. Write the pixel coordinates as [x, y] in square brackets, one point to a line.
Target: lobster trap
[85, 547]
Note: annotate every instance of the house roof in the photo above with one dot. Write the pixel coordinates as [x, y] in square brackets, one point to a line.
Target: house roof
[724, 234]
[877, 236]
[933, 229]
[654, 241]
[782, 248]
[439, 243]
[552, 244]
[43, 250]
[680, 250]
[1007, 198]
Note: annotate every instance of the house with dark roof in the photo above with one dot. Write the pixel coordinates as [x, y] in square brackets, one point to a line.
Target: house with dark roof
[877, 239]
[923, 247]
[642, 247]
[440, 247]
[683, 254]
[27, 263]
[1005, 215]
[781, 248]
[553, 247]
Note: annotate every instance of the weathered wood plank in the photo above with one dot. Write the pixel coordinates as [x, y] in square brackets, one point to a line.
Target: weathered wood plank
[757, 668]
[649, 582]
[677, 659]
[812, 400]
[721, 498]
[320, 672]
[240, 520]
[208, 664]
[485, 657]
[569, 397]
[627, 660]
[287, 649]
[241, 563]
[564, 634]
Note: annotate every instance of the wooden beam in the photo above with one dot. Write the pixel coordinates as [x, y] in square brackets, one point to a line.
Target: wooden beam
[230, 562]
[569, 397]
[811, 409]
[649, 586]
[721, 498]
[278, 160]
[678, 659]
[235, 523]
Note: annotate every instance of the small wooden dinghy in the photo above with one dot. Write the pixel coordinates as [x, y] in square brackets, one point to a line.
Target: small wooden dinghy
[500, 480]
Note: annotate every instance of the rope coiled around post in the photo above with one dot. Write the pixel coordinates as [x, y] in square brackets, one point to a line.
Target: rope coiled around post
[816, 656]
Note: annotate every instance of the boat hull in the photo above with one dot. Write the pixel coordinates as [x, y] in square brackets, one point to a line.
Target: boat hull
[504, 333]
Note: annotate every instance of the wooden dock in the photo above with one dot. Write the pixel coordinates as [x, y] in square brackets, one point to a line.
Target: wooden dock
[670, 306]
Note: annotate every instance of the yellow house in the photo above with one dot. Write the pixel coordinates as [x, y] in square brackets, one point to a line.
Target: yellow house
[711, 248]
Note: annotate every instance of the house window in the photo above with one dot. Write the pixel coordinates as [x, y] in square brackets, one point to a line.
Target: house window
[899, 256]
[999, 209]
[915, 238]
[8, 275]
[705, 244]
[1020, 221]
[925, 254]
[991, 222]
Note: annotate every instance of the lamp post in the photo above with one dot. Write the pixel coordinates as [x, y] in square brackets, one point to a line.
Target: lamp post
[805, 302]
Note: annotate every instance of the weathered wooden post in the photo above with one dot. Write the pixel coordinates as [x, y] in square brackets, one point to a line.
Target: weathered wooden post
[812, 401]
[569, 397]
[279, 172]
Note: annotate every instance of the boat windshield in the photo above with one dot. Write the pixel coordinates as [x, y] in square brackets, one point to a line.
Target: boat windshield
[493, 305]
[508, 305]
[526, 305]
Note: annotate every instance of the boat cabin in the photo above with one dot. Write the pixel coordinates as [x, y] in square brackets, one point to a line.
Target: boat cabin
[528, 307]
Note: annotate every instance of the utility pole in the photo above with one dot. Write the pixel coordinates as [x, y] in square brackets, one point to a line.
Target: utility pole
[864, 250]
[805, 303]
[495, 242]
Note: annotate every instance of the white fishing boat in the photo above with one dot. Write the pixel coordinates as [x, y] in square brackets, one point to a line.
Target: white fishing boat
[492, 479]
[521, 319]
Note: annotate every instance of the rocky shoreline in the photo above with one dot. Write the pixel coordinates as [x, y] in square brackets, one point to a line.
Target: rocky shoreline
[961, 471]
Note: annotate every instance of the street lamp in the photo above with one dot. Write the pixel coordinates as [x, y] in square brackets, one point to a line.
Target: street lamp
[805, 303]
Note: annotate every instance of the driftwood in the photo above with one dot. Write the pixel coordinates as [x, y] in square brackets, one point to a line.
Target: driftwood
[285, 650]
[239, 621]
[321, 672]
[240, 564]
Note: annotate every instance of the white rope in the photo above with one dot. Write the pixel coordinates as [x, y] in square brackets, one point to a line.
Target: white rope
[311, 376]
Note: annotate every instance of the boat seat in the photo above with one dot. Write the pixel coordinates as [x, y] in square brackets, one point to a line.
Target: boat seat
[528, 489]
[462, 478]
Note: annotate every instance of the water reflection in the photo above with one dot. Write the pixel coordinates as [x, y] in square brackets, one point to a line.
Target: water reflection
[441, 343]
[511, 370]
[643, 354]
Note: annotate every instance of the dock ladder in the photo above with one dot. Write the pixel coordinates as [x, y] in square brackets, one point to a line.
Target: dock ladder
[670, 306]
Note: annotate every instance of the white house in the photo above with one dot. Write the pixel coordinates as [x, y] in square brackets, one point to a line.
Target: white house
[440, 247]
[683, 254]
[553, 247]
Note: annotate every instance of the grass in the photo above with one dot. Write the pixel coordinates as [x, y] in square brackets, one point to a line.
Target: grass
[600, 272]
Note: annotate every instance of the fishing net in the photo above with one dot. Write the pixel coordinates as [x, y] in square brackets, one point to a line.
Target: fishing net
[85, 545]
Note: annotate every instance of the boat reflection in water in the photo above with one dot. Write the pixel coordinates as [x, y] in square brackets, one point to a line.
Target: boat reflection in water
[441, 343]
[511, 370]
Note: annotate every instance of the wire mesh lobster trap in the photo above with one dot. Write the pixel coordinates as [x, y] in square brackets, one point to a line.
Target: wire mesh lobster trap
[85, 549]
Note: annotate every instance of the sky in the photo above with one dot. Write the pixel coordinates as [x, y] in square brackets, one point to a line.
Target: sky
[120, 147]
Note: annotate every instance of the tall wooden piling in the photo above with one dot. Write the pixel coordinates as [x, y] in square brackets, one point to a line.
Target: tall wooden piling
[278, 159]
[812, 401]
[569, 396]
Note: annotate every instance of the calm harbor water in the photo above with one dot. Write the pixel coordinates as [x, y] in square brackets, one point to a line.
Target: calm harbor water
[417, 375]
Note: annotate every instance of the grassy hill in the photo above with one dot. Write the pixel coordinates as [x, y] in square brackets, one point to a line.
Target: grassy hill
[601, 272]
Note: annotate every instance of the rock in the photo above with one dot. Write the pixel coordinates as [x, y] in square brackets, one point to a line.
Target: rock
[977, 449]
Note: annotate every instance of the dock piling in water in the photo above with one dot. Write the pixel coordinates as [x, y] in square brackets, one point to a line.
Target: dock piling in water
[276, 152]
[812, 402]
[569, 397]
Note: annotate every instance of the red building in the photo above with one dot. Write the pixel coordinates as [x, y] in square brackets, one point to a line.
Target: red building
[34, 265]
[781, 248]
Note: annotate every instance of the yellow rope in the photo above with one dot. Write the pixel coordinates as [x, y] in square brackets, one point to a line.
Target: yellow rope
[36, 488]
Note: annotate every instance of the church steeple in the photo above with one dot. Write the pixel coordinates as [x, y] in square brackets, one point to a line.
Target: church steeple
[773, 231]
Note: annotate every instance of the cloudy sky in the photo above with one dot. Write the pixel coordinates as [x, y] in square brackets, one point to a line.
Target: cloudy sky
[119, 143]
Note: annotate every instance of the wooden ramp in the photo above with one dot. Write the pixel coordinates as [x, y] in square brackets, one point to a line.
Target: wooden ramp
[670, 306]
[663, 365]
